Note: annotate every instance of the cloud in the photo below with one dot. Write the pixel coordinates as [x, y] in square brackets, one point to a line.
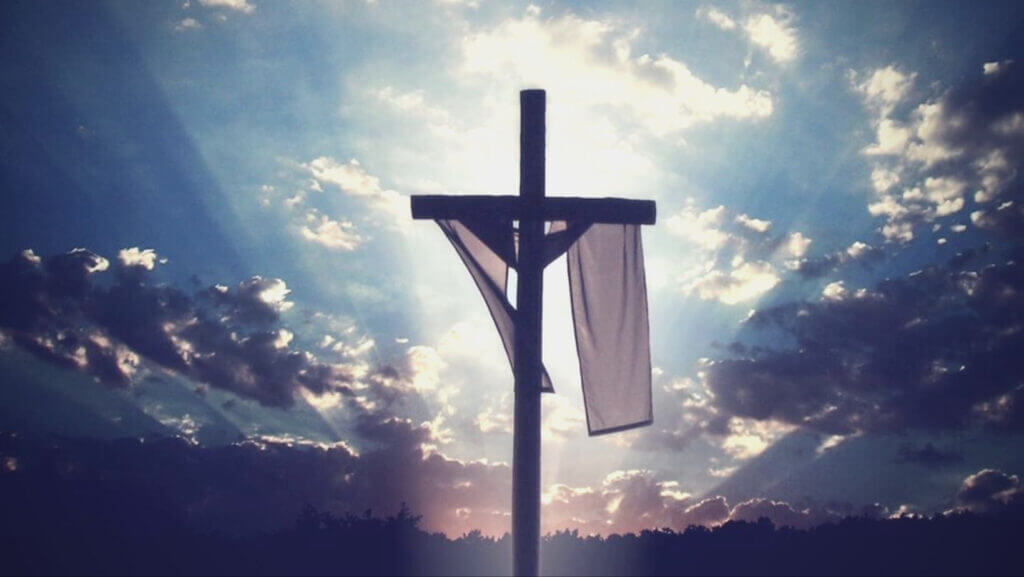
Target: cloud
[353, 180]
[932, 158]
[364, 202]
[737, 258]
[883, 178]
[859, 250]
[257, 300]
[425, 365]
[754, 224]
[454, 496]
[328, 476]
[413, 103]
[700, 228]
[630, 501]
[716, 17]
[30, 256]
[817, 267]
[1004, 220]
[187, 24]
[723, 472]
[146, 259]
[591, 64]
[496, 419]
[746, 281]
[1005, 412]
[834, 291]
[626, 501]
[795, 245]
[333, 234]
[561, 419]
[125, 328]
[996, 67]
[748, 438]
[928, 456]
[775, 34]
[611, 97]
[349, 177]
[990, 491]
[932, 350]
[885, 88]
[471, 3]
[892, 137]
[781, 514]
[242, 6]
[223, 337]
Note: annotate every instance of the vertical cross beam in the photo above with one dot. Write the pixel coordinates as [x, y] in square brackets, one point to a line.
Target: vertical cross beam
[529, 294]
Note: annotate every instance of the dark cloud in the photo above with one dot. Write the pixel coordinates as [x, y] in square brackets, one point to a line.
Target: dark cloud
[818, 267]
[961, 159]
[986, 120]
[633, 501]
[991, 491]
[936, 349]
[1004, 219]
[781, 514]
[225, 338]
[262, 485]
[707, 512]
[979, 115]
[68, 273]
[928, 456]
[124, 326]
[874, 511]
[930, 350]
[1005, 412]
[970, 257]
[215, 488]
[257, 300]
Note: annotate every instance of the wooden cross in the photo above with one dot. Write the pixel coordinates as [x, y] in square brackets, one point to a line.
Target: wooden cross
[532, 210]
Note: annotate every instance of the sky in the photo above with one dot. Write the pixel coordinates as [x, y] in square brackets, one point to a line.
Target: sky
[206, 236]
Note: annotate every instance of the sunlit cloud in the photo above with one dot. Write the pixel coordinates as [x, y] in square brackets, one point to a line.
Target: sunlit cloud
[716, 17]
[146, 258]
[242, 6]
[774, 33]
[333, 234]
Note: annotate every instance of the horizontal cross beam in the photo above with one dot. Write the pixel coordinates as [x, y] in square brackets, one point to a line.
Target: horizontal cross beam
[596, 210]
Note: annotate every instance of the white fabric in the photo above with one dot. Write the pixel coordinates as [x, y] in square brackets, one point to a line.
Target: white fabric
[490, 273]
[609, 305]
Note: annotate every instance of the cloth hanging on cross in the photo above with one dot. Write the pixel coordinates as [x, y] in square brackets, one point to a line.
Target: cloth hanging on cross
[609, 305]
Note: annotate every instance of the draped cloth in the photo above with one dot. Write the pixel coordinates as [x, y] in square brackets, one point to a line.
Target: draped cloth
[609, 305]
[488, 264]
[609, 309]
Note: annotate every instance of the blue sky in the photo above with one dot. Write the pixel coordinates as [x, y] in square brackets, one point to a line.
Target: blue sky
[238, 174]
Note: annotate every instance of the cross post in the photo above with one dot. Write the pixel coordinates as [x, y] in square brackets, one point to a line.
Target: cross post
[532, 210]
[529, 306]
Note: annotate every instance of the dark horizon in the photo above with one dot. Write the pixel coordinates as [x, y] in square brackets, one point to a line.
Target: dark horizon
[60, 517]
